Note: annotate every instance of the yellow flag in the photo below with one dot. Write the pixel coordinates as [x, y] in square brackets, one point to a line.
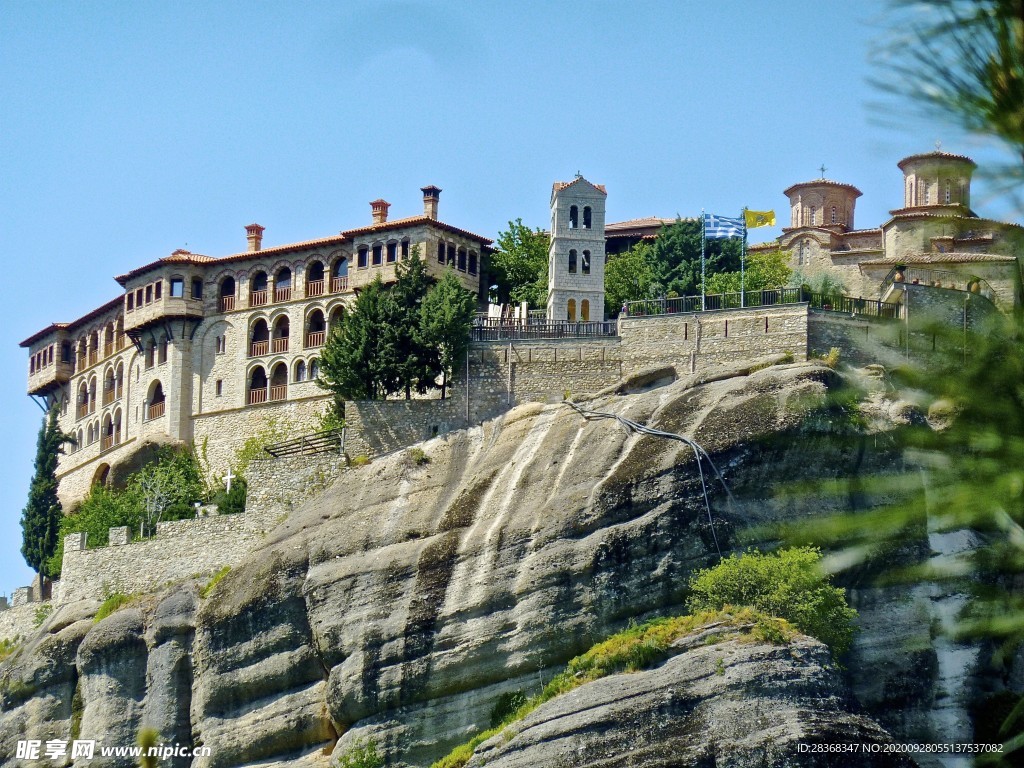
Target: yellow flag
[759, 219]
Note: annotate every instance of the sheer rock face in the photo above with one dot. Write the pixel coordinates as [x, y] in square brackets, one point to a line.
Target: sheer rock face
[405, 600]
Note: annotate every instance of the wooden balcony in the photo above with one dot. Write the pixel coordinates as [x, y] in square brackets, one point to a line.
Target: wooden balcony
[94, 356]
[108, 349]
[108, 396]
[315, 338]
[82, 410]
[283, 294]
[258, 298]
[315, 288]
[339, 284]
[279, 345]
[107, 442]
[119, 342]
[257, 396]
[279, 392]
[227, 303]
[156, 410]
[259, 348]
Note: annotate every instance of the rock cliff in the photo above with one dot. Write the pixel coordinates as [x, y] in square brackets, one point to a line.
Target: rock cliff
[399, 605]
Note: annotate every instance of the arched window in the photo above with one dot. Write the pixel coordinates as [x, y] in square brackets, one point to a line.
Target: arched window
[833, 214]
[90, 437]
[462, 259]
[450, 259]
[586, 217]
[81, 440]
[156, 401]
[257, 385]
[572, 261]
[108, 386]
[259, 339]
[163, 350]
[339, 275]
[574, 217]
[316, 329]
[949, 192]
[92, 395]
[814, 216]
[150, 353]
[314, 369]
[119, 381]
[283, 284]
[279, 343]
[315, 279]
[300, 370]
[377, 254]
[392, 252]
[570, 314]
[585, 264]
[258, 292]
[116, 431]
[108, 433]
[802, 255]
[585, 310]
[227, 294]
[279, 382]
[405, 248]
[108, 340]
[94, 347]
[83, 400]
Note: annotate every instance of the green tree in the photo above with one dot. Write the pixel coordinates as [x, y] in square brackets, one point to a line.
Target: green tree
[41, 518]
[788, 584]
[519, 267]
[401, 326]
[764, 270]
[358, 361]
[445, 323]
[677, 257]
[628, 276]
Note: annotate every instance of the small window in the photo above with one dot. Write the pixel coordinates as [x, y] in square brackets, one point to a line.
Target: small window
[833, 214]
[158, 289]
[197, 288]
[220, 387]
[131, 302]
[149, 294]
[362, 257]
[177, 288]
[462, 259]
[392, 253]
[440, 253]
[586, 217]
[222, 345]
[314, 369]
[138, 298]
[572, 261]
[472, 262]
[377, 254]
[65, 352]
[405, 249]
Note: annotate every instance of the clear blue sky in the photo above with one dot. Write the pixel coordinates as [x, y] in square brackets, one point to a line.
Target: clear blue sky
[130, 129]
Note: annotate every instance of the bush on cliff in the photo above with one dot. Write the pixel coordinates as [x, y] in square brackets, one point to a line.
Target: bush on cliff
[789, 584]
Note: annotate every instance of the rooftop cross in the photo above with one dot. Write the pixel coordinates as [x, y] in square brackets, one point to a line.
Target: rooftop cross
[938, 145]
[823, 169]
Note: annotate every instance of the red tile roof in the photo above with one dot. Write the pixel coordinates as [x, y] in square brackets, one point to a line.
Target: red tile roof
[644, 223]
[103, 309]
[935, 156]
[943, 258]
[822, 183]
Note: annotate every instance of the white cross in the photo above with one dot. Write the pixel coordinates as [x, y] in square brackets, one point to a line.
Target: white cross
[228, 478]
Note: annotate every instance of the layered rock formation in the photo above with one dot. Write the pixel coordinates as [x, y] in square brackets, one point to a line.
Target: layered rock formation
[403, 602]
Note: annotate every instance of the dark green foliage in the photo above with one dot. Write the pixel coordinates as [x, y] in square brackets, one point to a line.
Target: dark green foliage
[520, 265]
[788, 584]
[445, 322]
[762, 270]
[41, 518]
[232, 502]
[506, 706]
[361, 755]
[415, 363]
[629, 276]
[677, 257]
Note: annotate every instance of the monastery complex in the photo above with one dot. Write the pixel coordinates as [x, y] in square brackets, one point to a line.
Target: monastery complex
[205, 349]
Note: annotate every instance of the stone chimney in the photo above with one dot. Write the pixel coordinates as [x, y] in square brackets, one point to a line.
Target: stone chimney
[379, 210]
[431, 195]
[254, 234]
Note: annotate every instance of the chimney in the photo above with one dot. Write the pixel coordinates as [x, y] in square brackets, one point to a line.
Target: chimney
[254, 234]
[431, 195]
[379, 209]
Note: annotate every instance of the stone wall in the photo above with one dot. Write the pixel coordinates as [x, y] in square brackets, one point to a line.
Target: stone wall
[179, 550]
[18, 622]
[278, 485]
[373, 427]
[860, 341]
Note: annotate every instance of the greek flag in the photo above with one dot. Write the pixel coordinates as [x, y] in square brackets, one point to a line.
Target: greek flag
[718, 227]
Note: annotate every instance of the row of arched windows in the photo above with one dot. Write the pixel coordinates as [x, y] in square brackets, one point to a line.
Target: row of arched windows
[262, 292]
[108, 432]
[584, 264]
[457, 257]
[574, 217]
[263, 388]
[267, 339]
[570, 311]
[108, 340]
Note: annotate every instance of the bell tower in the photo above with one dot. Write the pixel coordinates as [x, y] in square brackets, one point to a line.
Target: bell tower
[576, 256]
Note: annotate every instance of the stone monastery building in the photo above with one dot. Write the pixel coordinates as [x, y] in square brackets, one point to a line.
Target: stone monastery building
[210, 349]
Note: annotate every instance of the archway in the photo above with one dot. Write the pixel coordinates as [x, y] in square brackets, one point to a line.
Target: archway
[257, 385]
[315, 279]
[259, 338]
[279, 382]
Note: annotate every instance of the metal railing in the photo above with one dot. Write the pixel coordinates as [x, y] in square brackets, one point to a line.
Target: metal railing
[886, 310]
[566, 330]
[321, 442]
[712, 302]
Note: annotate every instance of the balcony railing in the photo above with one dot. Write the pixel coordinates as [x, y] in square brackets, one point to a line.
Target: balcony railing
[93, 356]
[279, 345]
[259, 348]
[339, 284]
[155, 410]
[119, 342]
[279, 392]
[283, 294]
[106, 442]
[82, 410]
[316, 338]
[315, 288]
[257, 396]
[108, 396]
[227, 303]
[258, 298]
[108, 349]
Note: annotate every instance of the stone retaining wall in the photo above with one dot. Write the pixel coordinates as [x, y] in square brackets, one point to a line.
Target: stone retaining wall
[18, 622]
[276, 486]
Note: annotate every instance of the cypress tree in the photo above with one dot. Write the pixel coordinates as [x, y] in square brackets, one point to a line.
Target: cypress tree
[40, 520]
[403, 326]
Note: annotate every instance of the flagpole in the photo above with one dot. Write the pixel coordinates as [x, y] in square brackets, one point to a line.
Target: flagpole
[743, 254]
[702, 222]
